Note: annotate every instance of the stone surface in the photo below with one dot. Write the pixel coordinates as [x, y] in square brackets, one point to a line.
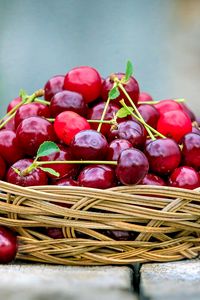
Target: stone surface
[171, 281]
[41, 282]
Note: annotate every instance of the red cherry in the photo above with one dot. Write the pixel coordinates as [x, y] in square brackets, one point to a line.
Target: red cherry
[32, 132]
[36, 177]
[10, 125]
[132, 166]
[67, 124]
[9, 146]
[191, 150]
[55, 233]
[2, 168]
[53, 86]
[116, 147]
[65, 182]
[120, 235]
[152, 179]
[97, 176]
[132, 88]
[143, 97]
[195, 130]
[95, 113]
[31, 110]
[67, 100]
[185, 177]
[13, 103]
[188, 111]
[150, 114]
[65, 170]
[8, 245]
[89, 145]
[164, 106]
[84, 80]
[164, 156]
[174, 124]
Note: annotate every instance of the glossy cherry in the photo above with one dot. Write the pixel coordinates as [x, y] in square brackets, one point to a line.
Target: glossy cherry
[2, 168]
[67, 100]
[8, 245]
[67, 124]
[89, 145]
[13, 103]
[84, 80]
[10, 125]
[65, 182]
[32, 132]
[97, 176]
[152, 179]
[53, 86]
[10, 149]
[185, 177]
[195, 130]
[131, 87]
[132, 166]
[191, 150]
[121, 235]
[174, 124]
[150, 114]
[31, 110]
[143, 97]
[164, 156]
[55, 233]
[116, 147]
[164, 106]
[35, 177]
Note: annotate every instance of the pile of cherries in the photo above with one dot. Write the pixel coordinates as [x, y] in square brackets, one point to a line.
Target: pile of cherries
[98, 133]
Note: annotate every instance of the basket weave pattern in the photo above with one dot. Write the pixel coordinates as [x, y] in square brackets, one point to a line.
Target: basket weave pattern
[165, 222]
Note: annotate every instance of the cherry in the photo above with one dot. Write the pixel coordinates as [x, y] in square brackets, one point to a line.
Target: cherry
[152, 179]
[143, 97]
[120, 235]
[55, 233]
[8, 245]
[13, 103]
[97, 176]
[195, 130]
[10, 125]
[191, 150]
[188, 111]
[116, 147]
[164, 155]
[2, 168]
[84, 80]
[132, 166]
[174, 124]
[131, 87]
[185, 177]
[65, 182]
[31, 110]
[32, 132]
[65, 170]
[53, 86]
[67, 124]
[132, 131]
[35, 177]
[89, 145]
[150, 114]
[95, 113]
[9, 146]
[167, 105]
[67, 100]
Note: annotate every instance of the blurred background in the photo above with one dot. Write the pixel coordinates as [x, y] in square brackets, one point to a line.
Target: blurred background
[39, 39]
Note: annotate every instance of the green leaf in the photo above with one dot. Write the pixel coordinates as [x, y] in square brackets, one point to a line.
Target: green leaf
[50, 171]
[47, 148]
[16, 171]
[114, 93]
[124, 112]
[129, 70]
[23, 94]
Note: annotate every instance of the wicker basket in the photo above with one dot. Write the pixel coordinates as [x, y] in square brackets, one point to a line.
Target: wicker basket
[165, 222]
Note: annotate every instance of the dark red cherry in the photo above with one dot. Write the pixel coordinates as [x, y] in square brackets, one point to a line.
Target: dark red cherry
[184, 177]
[35, 177]
[164, 156]
[67, 100]
[188, 111]
[131, 87]
[152, 179]
[97, 176]
[132, 166]
[121, 235]
[8, 245]
[13, 103]
[31, 110]
[2, 168]
[10, 125]
[55, 233]
[150, 114]
[191, 150]
[132, 131]
[84, 80]
[65, 182]
[143, 97]
[116, 147]
[65, 170]
[32, 132]
[53, 86]
[95, 113]
[164, 106]
[10, 149]
[89, 145]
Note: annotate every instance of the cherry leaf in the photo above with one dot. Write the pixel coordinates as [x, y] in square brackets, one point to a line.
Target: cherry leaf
[47, 148]
[124, 112]
[129, 70]
[50, 171]
[114, 93]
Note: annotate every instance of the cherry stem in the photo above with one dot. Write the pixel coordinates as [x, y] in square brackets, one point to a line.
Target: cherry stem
[180, 100]
[42, 101]
[111, 122]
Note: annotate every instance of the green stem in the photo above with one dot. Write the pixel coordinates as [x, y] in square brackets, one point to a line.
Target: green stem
[179, 100]
[42, 101]
[99, 162]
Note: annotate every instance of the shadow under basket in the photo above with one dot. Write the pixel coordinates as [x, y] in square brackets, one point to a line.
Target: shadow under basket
[164, 223]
